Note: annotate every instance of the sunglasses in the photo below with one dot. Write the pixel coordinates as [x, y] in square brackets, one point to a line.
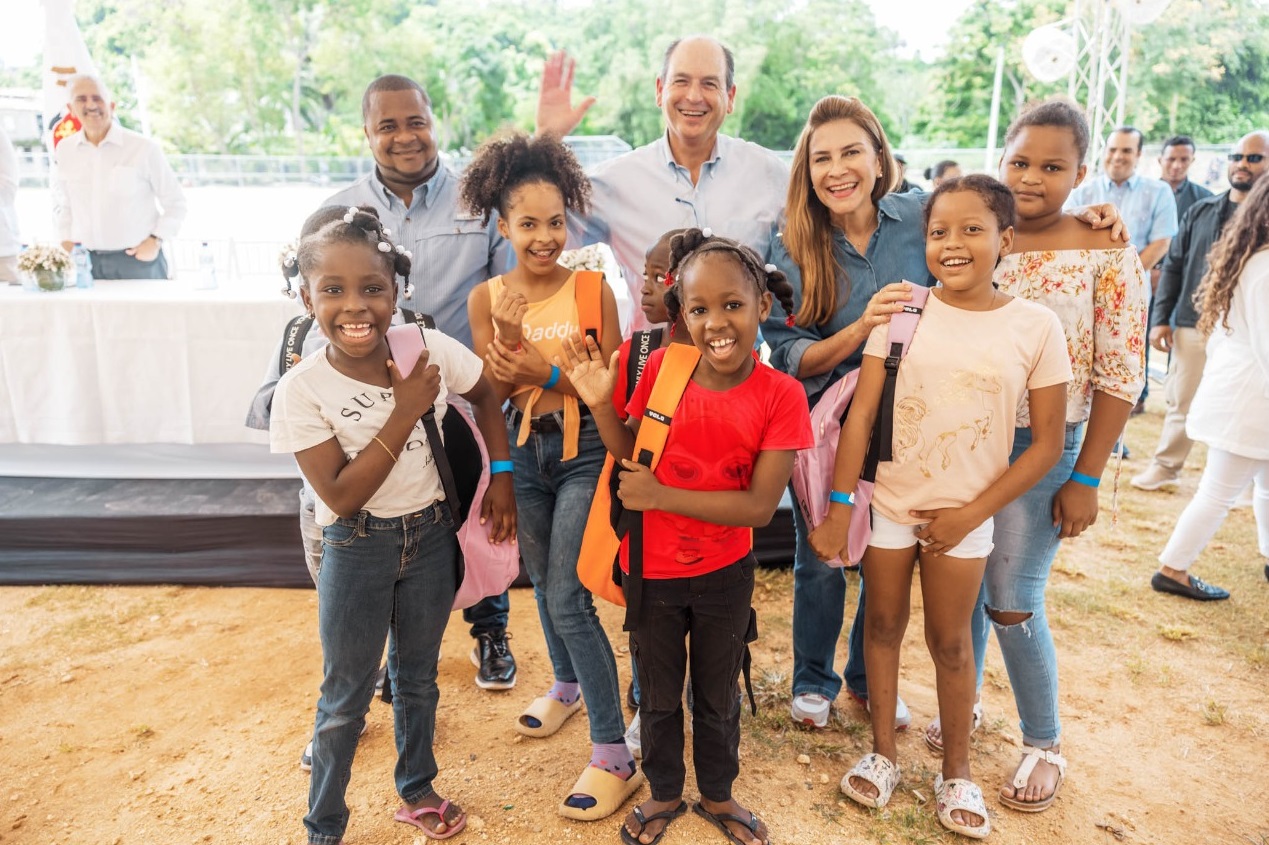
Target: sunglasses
[1252, 158]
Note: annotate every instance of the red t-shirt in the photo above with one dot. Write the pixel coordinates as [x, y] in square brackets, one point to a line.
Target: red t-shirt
[714, 441]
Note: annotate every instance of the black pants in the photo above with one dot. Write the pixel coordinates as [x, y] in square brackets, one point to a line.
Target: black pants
[117, 264]
[714, 611]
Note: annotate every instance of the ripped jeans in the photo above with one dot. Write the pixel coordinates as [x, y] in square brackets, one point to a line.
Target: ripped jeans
[1016, 577]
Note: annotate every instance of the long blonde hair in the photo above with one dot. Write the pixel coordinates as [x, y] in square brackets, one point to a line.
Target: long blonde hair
[808, 231]
[1246, 233]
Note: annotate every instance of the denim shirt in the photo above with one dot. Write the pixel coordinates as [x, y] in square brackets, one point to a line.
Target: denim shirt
[896, 252]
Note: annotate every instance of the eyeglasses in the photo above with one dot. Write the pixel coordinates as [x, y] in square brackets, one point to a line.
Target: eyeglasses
[1252, 158]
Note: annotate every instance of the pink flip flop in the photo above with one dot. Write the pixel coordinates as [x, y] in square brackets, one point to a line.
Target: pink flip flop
[413, 816]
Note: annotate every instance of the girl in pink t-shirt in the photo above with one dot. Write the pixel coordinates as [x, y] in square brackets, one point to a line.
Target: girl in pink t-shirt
[976, 355]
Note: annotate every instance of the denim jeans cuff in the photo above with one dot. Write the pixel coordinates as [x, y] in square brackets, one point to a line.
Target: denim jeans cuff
[318, 839]
[414, 799]
[1041, 743]
[826, 693]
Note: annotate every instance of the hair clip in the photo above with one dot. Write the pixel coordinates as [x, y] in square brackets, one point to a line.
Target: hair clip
[669, 279]
[384, 246]
[408, 291]
[707, 233]
[288, 291]
[770, 268]
[790, 321]
[387, 232]
[400, 249]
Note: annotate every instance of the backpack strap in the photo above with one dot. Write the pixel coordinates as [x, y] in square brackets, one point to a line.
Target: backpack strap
[654, 430]
[588, 293]
[902, 329]
[293, 340]
[642, 345]
[424, 320]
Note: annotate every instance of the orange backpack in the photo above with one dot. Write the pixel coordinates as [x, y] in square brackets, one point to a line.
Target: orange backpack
[598, 564]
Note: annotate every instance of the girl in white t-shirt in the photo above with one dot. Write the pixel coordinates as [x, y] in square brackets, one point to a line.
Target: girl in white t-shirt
[389, 548]
[976, 355]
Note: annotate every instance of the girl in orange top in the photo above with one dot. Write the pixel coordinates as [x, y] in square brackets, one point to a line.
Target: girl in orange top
[518, 321]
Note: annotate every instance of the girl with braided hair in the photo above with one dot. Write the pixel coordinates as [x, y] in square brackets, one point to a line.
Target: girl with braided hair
[389, 551]
[728, 456]
[1230, 412]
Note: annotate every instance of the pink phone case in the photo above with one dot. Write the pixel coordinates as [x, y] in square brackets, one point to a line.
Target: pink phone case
[405, 343]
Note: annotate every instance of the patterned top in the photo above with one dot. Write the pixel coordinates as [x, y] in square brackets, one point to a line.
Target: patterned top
[1101, 297]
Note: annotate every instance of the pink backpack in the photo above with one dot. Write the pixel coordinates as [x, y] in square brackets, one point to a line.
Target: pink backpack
[484, 569]
[813, 467]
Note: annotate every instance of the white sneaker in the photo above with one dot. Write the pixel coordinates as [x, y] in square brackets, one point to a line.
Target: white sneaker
[811, 709]
[1154, 478]
[632, 738]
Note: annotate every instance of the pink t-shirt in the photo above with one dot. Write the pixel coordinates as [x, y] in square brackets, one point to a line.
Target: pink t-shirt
[957, 398]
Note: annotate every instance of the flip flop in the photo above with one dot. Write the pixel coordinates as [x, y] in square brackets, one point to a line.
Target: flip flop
[719, 820]
[608, 790]
[408, 816]
[550, 713]
[669, 815]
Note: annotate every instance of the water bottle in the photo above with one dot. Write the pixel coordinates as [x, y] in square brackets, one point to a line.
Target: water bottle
[206, 268]
[83, 266]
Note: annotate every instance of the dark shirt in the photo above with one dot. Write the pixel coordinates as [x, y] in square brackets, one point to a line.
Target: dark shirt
[1186, 261]
[1187, 195]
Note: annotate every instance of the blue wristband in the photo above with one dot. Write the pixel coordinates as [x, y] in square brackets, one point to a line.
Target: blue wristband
[1086, 480]
[496, 467]
[555, 377]
[842, 498]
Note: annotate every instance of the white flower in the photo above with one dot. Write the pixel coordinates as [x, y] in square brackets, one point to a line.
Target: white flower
[44, 257]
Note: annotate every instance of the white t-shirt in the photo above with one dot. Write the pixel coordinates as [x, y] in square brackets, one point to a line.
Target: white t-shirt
[956, 397]
[315, 402]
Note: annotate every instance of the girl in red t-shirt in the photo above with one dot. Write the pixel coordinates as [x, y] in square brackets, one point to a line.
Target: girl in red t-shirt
[726, 462]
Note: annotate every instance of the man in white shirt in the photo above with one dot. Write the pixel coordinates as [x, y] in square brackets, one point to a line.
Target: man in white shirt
[10, 243]
[693, 175]
[115, 193]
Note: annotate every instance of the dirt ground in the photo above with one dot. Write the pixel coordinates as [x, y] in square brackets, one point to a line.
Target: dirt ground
[177, 715]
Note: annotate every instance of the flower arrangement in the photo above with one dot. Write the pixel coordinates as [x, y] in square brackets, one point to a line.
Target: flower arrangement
[587, 258]
[47, 265]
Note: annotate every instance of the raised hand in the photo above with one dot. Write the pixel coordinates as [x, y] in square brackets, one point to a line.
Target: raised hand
[556, 114]
[583, 363]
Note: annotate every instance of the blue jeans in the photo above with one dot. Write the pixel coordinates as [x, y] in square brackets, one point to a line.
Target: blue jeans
[552, 500]
[819, 600]
[379, 577]
[1015, 581]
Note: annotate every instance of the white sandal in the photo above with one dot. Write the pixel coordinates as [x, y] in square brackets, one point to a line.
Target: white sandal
[877, 770]
[1023, 776]
[937, 747]
[963, 795]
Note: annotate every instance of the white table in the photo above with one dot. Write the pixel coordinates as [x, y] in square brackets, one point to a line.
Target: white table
[137, 379]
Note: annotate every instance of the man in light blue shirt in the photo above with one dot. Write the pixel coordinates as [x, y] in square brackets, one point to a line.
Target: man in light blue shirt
[1147, 205]
[693, 175]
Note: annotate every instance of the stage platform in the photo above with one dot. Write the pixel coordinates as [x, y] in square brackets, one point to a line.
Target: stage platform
[219, 532]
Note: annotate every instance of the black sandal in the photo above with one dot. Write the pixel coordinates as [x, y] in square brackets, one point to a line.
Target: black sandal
[718, 820]
[669, 815]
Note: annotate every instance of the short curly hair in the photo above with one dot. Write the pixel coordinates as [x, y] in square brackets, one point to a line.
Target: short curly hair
[994, 194]
[509, 161]
[1056, 111]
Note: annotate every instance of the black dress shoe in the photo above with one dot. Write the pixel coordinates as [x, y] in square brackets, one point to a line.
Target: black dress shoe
[1198, 589]
[494, 660]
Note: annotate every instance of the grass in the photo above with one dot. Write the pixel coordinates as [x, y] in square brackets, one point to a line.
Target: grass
[1213, 713]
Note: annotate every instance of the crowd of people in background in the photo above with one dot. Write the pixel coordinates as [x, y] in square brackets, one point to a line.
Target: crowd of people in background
[1028, 358]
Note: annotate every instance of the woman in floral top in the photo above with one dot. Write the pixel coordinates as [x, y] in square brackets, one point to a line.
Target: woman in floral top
[1098, 288]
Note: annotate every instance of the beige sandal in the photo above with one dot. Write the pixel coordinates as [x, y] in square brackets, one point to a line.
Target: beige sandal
[550, 714]
[1021, 777]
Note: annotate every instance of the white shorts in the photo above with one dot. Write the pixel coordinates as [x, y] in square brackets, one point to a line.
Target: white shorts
[888, 534]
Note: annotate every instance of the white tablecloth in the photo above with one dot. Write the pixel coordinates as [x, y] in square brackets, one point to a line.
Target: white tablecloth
[137, 379]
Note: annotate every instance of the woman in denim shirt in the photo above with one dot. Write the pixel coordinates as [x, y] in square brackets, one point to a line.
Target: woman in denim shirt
[848, 245]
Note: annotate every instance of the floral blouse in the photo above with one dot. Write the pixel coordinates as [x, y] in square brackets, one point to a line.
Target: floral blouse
[1102, 298]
